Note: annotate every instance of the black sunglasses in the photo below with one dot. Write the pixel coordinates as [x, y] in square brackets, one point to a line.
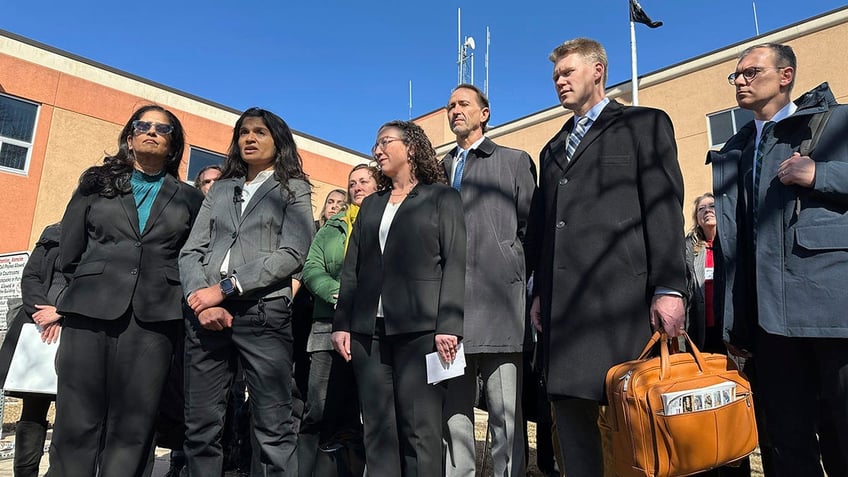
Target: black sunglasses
[142, 127]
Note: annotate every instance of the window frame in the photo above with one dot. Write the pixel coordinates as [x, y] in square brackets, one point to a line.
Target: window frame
[190, 178]
[17, 142]
[733, 126]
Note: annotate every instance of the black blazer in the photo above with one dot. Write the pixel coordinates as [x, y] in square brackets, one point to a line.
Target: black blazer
[113, 265]
[421, 272]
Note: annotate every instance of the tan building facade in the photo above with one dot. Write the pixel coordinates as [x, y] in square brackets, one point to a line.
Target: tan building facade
[63, 113]
[694, 93]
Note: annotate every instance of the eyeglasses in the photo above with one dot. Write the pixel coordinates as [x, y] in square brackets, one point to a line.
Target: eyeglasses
[383, 142]
[751, 72]
[141, 127]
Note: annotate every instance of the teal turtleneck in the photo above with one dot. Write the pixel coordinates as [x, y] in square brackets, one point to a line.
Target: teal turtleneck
[145, 189]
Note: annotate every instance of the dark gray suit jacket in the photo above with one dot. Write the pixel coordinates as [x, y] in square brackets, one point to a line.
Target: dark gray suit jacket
[421, 272]
[268, 242]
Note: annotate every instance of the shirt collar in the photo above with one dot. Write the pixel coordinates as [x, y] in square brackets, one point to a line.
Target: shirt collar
[475, 145]
[784, 113]
[593, 113]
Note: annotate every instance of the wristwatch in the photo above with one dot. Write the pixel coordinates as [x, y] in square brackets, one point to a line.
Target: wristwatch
[228, 288]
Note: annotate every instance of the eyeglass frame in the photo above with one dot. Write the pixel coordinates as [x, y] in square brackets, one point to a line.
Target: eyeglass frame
[383, 142]
[731, 78]
[162, 129]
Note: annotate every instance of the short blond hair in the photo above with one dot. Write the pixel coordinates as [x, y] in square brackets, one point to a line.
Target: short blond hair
[585, 47]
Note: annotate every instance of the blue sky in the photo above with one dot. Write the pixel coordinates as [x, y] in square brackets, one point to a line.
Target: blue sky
[339, 69]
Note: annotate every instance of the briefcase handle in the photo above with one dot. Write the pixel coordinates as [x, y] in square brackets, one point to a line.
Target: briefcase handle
[661, 338]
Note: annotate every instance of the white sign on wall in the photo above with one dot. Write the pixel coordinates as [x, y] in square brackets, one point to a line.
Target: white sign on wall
[11, 269]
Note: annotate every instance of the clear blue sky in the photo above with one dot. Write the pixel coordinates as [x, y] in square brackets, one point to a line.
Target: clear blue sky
[339, 69]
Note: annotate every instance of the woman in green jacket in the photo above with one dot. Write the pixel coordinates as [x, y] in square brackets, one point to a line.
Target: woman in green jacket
[332, 407]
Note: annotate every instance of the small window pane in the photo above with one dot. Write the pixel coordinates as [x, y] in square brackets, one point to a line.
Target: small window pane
[17, 119]
[742, 117]
[198, 159]
[721, 128]
[12, 156]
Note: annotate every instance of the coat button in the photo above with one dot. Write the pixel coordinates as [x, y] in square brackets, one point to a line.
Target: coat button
[563, 181]
[235, 234]
[137, 244]
[134, 271]
[560, 224]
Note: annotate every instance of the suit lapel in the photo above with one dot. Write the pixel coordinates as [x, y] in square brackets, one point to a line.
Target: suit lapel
[607, 117]
[266, 187]
[166, 193]
[131, 210]
[557, 145]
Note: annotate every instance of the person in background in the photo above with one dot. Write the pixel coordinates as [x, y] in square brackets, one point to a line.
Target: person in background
[702, 326]
[497, 185]
[781, 187]
[207, 177]
[401, 297]
[42, 284]
[332, 407]
[121, 235]
[334, 203]
[610, 249]
[252, 234]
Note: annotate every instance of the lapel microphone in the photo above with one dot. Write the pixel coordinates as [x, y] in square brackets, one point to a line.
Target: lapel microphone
[237, 195]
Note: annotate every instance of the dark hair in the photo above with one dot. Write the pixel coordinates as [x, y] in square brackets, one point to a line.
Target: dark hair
[422, 157]
[482, 100]
[113, 176]
[200, 173]
[784, 56]
[287, 162]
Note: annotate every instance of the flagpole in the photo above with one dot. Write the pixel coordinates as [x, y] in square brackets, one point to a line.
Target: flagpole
[634, 75]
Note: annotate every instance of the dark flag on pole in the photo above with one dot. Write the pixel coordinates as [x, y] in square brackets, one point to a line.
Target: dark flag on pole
[639, 16]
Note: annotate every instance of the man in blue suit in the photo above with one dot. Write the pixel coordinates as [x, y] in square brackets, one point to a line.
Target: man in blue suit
[781, 188]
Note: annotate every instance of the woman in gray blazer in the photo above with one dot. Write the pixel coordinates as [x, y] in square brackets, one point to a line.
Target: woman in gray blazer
[252, 233]
[401, 297]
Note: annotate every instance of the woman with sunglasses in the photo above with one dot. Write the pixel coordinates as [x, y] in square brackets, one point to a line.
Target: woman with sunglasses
[252, 233]
[121, 235]
[401, 297]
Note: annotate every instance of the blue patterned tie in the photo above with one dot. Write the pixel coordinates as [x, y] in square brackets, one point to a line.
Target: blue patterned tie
[765, 136]
[457, 174]
[574, 138]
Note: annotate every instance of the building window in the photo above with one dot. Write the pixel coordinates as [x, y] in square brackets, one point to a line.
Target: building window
[17, 128]
[725, 124]
[200, 158]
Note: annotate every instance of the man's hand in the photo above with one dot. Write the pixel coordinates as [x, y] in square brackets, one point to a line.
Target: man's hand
[536, 314]
[45, 315]
[205, 298]
[447, 345]
[215, 318]
[797, 170]
[667, 312]
[341, 343]
[50, 333]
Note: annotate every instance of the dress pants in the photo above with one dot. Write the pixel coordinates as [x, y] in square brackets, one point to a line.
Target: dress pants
[580, 445]
[502, 385]
[111, 375]
[803, 380]
[261, 338]
[402, 414]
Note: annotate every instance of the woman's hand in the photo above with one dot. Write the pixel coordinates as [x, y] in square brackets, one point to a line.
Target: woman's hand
[50, 333]
[341, 343]
[205, 298]
[45, 315]
[446, 345]
[215, 318]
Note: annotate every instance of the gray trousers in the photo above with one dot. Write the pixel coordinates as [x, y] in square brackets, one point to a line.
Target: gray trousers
[502, 385]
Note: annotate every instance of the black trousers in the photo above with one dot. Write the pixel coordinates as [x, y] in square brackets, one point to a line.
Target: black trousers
[261, 338]
[402, 414]
[803, 380]
[111, 375]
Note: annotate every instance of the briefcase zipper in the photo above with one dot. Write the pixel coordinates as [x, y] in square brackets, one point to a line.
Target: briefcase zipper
[626, 379]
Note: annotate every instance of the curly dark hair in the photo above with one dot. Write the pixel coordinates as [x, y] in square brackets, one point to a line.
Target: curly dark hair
[113, 176]
[422, 157]
[287, 163]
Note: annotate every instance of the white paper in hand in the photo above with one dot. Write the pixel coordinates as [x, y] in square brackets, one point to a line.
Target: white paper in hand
[438, 370]
[33, 367]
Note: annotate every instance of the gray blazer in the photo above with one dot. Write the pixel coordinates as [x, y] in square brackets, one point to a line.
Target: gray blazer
[498, 185]
[268, 242]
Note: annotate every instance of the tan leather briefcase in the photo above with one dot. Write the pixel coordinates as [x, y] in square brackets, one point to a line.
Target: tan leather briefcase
[678, 413]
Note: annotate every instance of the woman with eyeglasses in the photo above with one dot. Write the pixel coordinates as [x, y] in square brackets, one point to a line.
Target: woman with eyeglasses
[253, 232]
[401, 297]
[122, 311]
[702, 326]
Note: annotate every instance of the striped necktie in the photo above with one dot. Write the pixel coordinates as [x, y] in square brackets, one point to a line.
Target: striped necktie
[457, 174]
[765, 137]
[574, 138]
